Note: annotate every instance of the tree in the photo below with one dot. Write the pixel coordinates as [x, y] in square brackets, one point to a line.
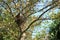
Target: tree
[24, 10]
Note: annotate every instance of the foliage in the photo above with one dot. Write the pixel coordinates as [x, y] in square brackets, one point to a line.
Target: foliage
[54, 27]
[8, 27]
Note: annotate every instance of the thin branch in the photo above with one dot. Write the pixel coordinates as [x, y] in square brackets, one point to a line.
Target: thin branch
[43, 8]
[18, 9]
[20, 36]
[28, 6]
[48, 19]
[14, 3]
[20, 33]
[39, 17]
[9, 8]
[44, 18]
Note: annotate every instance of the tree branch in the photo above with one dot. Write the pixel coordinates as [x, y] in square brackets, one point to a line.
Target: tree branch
[9, 8]
[39, 17]
[28, 6]
[42, 8]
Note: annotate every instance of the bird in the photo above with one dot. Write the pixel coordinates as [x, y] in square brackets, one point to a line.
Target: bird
[19, 19]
